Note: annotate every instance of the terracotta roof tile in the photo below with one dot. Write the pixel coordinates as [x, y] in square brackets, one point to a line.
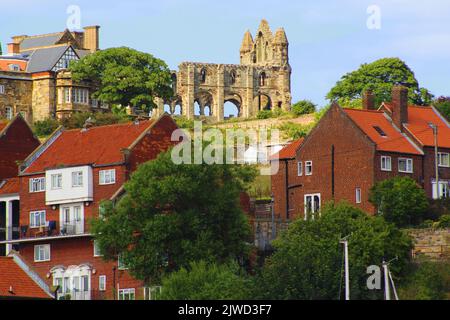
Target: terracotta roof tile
[418, 120]
[369, 120]
[13, 277]
[9, 186]
[3, 126]
[289, 151]
[96, 145]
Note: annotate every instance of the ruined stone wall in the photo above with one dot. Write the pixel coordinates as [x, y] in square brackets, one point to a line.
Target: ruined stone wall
[433, 243]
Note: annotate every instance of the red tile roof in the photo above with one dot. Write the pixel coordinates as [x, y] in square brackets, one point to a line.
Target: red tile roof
[12, 276]
[289, 151]
[3, 125]
[418, 120]
[394, 141]
[96, 145]
[9, 186]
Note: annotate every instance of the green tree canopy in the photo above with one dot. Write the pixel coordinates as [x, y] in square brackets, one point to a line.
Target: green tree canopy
[303, 107]
[174, 214]
[308, 259]
[443, 105]
[399, 200]
[379, 76]
[125, 77]
[207, 281]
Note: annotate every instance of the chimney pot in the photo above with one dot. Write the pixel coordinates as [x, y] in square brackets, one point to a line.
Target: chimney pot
[400, 106]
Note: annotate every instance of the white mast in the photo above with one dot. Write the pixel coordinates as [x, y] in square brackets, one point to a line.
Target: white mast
[347, 274]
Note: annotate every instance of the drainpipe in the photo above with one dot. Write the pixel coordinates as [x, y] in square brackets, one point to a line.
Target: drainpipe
[114, 282]
[286, 173]
[332, 171]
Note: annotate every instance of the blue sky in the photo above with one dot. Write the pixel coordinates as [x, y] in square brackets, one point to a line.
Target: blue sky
[327, 38]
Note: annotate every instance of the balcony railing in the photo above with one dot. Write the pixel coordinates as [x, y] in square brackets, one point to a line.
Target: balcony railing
[53, 229]
[76, 227]
[82, 295]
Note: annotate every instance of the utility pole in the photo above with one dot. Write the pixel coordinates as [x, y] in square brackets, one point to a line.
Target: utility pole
[436, 160]
[344, 241]
[272, 200]
[387, 291]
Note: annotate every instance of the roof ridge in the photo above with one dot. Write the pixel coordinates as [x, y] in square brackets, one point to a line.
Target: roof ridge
[43, 35]
[364, 110]
[106, 125]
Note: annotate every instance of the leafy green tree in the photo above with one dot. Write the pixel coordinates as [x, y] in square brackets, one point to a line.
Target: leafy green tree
[125, 77]
[303, 107]
[206, 281]
[399, 200]
[428, 280]
[78, 119]
[172, 215]
[308, 258]
[45, 127]
[379, 76]
[443, 105]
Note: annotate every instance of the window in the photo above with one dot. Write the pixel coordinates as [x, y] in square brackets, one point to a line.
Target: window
[203, 75]
[312, 205]
[308, 168]
[386, 163]
[443, 159]
[37, 219]
[380, 131]
[299, 168]
[67, 95]
[358, 195]
[97, 252]
[405, 165]
[262, 79]
[102, 283]
[80, 95]
[127, 294]
[56, 181]
[444, 189]
[9, 113]
[37, 184]
[77, 179]
[2, 89]
[64, 61]
[42, 253]
[107, 176]
[120, 263]
[13, 67]
[151, 293]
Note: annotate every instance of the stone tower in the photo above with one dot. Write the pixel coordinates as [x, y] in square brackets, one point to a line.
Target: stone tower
[261, 81]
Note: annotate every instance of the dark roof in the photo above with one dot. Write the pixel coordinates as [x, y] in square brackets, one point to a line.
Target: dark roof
[40, 41]
[44, 59]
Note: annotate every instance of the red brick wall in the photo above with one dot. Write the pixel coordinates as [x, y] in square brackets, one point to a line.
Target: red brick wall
[429, 169]
[383, 175]
[15, 145]
[68, 252]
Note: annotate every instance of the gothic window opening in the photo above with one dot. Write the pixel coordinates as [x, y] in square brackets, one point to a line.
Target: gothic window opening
[233, 77]
[262, 79]
[203, 75]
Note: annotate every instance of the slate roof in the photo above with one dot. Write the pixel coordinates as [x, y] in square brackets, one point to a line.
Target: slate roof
[44, 59]
[40, 41]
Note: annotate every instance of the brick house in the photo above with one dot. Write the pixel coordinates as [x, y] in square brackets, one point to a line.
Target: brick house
[61, 185]
[350, 150]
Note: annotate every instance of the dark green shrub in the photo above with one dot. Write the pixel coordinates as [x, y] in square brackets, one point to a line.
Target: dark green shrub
[45, 127]
[303, 107]
[264, 114]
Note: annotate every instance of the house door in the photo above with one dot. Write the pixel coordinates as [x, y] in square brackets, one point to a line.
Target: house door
[72, 218]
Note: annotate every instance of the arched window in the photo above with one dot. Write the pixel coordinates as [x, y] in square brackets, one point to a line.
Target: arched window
[203, 75]
[262, 79]
[174, 82]
[233, 77]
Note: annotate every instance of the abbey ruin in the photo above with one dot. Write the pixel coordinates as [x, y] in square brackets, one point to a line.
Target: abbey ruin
[262, 80]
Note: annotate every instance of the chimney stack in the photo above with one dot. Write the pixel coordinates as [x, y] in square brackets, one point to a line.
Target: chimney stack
[368, 100]
[91, 38]
[399, 106]
[13, 48]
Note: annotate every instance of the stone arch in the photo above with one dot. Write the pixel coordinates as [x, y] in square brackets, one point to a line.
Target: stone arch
[232, 105]
[262, 101]
[167, 108]
[201, 100]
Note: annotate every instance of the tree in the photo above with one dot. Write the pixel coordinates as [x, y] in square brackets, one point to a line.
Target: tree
[379, 76]
[45, 127]
[125, 77]
[206, 281]
[399, 200]
[303, 107]
[443, 105]
[308, 258]
[172, 215]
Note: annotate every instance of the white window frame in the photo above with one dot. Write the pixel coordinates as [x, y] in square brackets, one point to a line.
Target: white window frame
[97, 252]
[442, 155]
[37, 184]
[77, 179]
[120, 264]
[106, 177]
[358, 195]
[408, 160]
[9, 113]
[102, 283]
[387, 159]
[42, 219]
[58, 181]
[149, 292]
[313, 209]
[2, 89]
[299, 168]
[126, 291]
[308, 164]
[45, 251]
[444, 189]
